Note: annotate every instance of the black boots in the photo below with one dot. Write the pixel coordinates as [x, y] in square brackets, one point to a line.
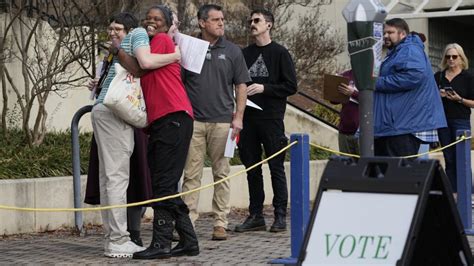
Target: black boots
[188, 243]
[160, 247]
[279, 224]
[255, 222]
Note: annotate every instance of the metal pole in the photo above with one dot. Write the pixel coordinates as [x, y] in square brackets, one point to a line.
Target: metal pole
[299, 195]
[366, 118]
[464, 181]
[76, 164]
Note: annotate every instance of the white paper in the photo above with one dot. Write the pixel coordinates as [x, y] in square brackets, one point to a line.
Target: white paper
[193, 51]
[230, 145]
[252, 104]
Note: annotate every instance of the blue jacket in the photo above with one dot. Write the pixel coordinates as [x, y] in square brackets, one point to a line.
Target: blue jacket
[406, 98]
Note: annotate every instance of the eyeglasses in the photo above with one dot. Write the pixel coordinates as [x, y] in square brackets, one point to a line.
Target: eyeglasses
[254, 21]
[115, 30]
[454, 57]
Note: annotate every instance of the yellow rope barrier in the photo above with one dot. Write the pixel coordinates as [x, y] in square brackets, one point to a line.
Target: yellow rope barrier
[4, 207]
[461, 138]
[333, 151]
[13, 208]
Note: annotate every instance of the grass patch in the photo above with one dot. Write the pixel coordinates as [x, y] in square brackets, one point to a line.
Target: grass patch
[54, 156]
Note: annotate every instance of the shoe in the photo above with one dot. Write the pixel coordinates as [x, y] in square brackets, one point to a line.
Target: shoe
[254, 222]
[160, 247]
[125, 250]
[219, 233]
[279, 225]
[188, 243]
[182, 250]
[154, 251]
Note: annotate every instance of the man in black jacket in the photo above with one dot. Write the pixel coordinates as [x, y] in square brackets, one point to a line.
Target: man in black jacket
[273, 80]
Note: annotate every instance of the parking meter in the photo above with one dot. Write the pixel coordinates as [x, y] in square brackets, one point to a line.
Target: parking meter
[365, 39]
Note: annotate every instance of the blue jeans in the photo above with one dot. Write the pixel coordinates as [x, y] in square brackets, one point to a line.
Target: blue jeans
[446, 136]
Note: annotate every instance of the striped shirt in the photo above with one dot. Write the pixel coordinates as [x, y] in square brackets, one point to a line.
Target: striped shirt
[134, 39]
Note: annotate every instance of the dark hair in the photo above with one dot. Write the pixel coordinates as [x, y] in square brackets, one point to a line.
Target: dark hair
[167, 13]
[421, 35]
[203, 12]
[128, 20]
[266, 14]
[398, 23]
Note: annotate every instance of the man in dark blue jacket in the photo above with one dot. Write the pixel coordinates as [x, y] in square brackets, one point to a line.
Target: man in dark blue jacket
[407, 105]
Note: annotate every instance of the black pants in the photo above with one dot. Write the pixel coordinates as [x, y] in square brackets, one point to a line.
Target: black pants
[395, 146]
[167, 150]
[270, 133]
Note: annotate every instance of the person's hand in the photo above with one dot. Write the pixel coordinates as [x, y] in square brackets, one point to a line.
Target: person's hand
[345, 89]
[114, 45]
[453, 96]
[92, 83]
[442, 93]
[172, 31]
[254, 89]
[177, 53]
[237, 126]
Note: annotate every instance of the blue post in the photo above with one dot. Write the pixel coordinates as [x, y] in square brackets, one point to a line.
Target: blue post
[299, 195]
[464, 180]
[76, 164]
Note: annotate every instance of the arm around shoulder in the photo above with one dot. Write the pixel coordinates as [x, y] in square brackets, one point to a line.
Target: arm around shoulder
[130, 63]
[148, 60]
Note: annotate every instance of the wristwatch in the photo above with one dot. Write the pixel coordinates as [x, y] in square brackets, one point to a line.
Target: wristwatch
[460, 101]
[115, 50]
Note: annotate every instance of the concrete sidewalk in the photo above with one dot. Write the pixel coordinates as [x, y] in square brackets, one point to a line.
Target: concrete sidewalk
[67, 248]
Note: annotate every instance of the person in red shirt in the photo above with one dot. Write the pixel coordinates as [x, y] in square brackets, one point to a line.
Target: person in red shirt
[170, 126]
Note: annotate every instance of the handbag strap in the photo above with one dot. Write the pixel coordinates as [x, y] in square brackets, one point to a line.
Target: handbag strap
[107, 62]
[440, 79]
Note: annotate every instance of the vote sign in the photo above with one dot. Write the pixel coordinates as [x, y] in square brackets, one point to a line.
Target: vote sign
[360, 228]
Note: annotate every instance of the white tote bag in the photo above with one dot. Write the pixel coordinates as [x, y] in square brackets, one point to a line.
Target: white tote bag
[125, 98]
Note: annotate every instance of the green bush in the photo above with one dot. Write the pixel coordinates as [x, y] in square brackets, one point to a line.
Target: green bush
[54, 156]
[326, 114]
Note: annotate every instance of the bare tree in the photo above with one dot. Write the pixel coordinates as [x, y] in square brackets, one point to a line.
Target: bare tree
[66, 57]
[313, 42]
[54, 50]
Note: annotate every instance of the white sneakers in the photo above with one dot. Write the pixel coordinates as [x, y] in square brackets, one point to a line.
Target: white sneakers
[124, 250]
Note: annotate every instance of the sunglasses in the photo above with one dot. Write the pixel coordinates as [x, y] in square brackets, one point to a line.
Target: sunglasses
[208, 55]
[254, 21]
[454, 57]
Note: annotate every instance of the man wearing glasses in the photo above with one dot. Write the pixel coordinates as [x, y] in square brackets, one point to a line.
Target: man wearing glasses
[273, 80]
[212, 97]
[407, 105]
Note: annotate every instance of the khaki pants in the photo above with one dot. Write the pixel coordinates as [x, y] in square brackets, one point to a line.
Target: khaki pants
[210, 137]
[115, 146]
